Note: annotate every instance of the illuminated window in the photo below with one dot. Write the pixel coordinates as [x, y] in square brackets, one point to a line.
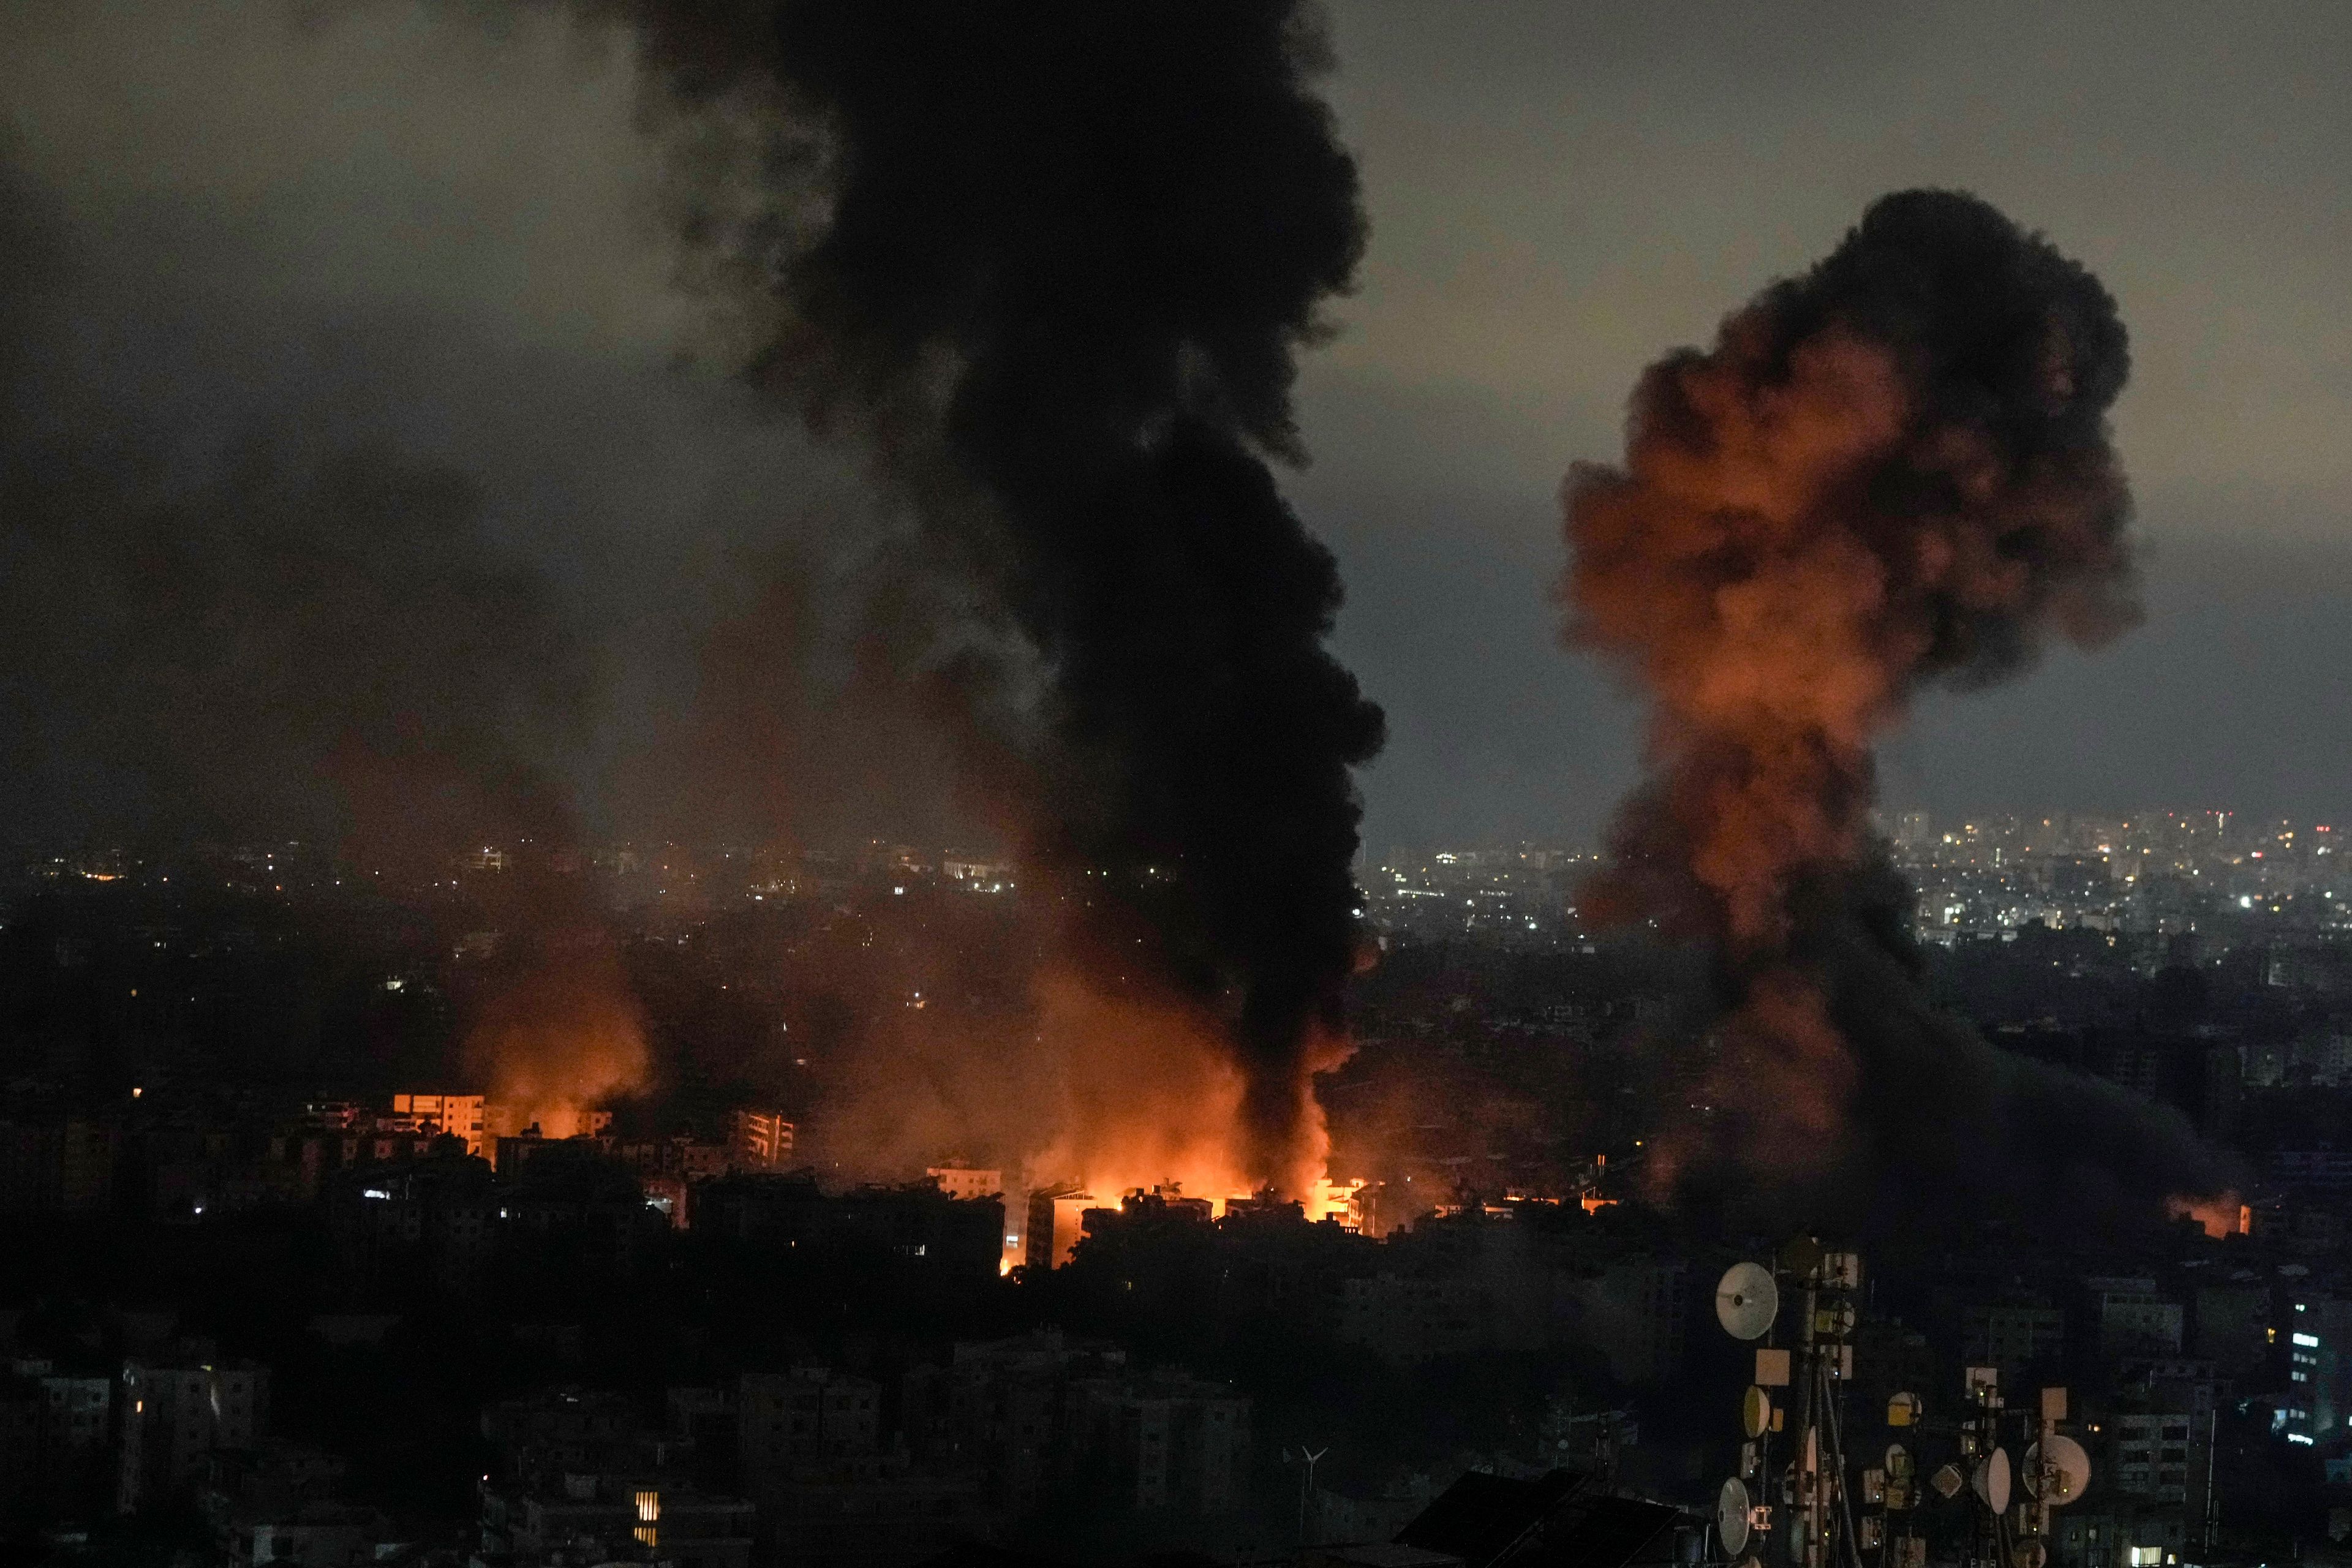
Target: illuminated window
[648, 1507]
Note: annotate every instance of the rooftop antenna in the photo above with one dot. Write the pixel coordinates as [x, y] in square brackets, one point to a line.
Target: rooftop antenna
[1733, 1517]
[1816, 1525]
[1747, 1300]
[2056, 1472]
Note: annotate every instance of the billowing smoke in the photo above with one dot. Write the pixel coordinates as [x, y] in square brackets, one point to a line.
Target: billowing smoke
[1892, 471]
[796, 732]
[1053, 262]
[252, 625]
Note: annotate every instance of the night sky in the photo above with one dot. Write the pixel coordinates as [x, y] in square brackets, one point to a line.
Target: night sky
[407, 229]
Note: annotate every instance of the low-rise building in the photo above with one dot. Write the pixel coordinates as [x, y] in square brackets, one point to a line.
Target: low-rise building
[587, 1516]
[1168, 1442]
[2131, 1318]
[759, 1140]
[435, 1217]
[1406, 1321]
[1056, 1218]
[56, 1436]
[1002, 1410]
[808, 1414]
[461, 1115]
[967, 1181]
[175, 1417]
[2017, 1332]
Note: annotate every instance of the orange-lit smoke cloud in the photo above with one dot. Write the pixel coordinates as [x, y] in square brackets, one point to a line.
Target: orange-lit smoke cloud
[1151, 1095]
[1112, 1092]
[1148, 1095]
[557, 1033]
[2221, 1215]
[1891, 470]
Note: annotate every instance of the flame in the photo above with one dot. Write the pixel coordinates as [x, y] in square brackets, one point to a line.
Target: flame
[1109, 1090]
[2221, 1215]
[1151, 1095]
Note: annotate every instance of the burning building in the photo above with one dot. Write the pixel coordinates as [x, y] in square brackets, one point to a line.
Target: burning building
[459, 1115]
[1056, 1217]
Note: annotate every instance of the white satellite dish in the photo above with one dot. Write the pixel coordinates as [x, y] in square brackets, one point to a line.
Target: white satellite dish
[1746, 1300]
[1991, 1483]
[1731, 1516]
[2069, 1469]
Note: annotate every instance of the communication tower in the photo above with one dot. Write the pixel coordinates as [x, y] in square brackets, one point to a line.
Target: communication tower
[1796, 1500]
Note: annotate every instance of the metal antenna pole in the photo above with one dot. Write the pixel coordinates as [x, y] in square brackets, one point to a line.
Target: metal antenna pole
[1809, 1456]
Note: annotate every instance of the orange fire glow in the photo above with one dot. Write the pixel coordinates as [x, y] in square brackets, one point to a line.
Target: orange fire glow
[1796, 669]
[1149, 1096]
[1108, 1090]
[2221, 1215]
[561, 1039]
[1152, 1098]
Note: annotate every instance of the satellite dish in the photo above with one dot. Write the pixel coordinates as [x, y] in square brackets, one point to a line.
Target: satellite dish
[1991, 1483]
[1755, 1412]
[1746, 1300]
[1904, 1410]
[2067, 1467]
[2030, 1553]
[1731, 1516]
[1947, 1481]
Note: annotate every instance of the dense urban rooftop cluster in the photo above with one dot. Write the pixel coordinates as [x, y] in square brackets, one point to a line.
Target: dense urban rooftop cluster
[297, 1287]
[2154, 874]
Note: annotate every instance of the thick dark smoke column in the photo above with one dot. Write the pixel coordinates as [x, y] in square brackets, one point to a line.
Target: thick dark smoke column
[1070, 251]
[1892, 470]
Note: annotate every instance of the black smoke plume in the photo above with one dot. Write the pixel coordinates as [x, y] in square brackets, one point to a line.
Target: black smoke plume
[1891, 471]
[1057, 268]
